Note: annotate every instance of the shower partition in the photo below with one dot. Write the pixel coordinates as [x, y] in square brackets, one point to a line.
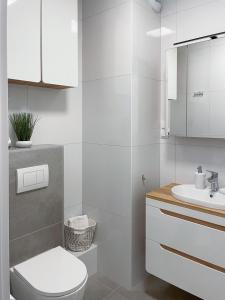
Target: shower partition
[4, 210]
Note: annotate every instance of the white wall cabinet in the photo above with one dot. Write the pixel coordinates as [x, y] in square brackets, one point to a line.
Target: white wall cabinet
[59, 42]
[43, 42]
[24, 40]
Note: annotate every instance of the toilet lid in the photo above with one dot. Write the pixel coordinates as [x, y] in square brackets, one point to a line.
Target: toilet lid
[53, 273]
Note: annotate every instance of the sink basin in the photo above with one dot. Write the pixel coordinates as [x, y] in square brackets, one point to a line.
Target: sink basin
[188, 193]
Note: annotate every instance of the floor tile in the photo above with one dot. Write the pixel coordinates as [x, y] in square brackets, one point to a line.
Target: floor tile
[155, 289]
[115, 296]
[96, 290]
[101, 288]
[107, 282]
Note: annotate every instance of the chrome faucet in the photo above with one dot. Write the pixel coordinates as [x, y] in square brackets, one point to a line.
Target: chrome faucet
[213, 180]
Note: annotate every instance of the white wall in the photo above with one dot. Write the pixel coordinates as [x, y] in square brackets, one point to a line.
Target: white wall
[145, 124]
[107, 131]
[181, 156]
[121, 121]
[60, 122]
[4, 175]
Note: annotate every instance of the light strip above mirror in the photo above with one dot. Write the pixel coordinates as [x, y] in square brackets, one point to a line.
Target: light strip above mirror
[201, 39]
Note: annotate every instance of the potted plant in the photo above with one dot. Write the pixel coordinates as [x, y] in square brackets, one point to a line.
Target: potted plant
[23, 125]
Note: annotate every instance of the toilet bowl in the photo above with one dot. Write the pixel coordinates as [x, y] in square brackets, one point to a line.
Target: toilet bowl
[53, 275]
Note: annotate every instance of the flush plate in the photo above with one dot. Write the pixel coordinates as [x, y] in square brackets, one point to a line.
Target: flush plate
[32, 178]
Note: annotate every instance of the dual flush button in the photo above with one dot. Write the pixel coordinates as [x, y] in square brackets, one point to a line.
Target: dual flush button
[32, 178]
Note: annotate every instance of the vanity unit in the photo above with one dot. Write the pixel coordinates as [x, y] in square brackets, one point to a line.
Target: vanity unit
[185, 244]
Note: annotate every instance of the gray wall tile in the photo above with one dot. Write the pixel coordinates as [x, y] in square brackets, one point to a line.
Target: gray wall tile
[35, 243]
[35, 210]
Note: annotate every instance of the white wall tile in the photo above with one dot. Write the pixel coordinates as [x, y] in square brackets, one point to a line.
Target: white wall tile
[114, 254]
[91, 7]
[146, 47]
[107, 111]
[17, 98]
[107, 178]
[107, 43]
[167, 41]
[206, 142]
[167, 163]
[72, 175]
[60, 115]
[144, 3]
[184, 4]
[201, 20]
[145, 161]
[169, 7]
[189, 157]
[17, 102]
[71, 211]
[114, 245]
[145, 111]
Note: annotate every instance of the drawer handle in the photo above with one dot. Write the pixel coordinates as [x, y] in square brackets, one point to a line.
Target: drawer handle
[195, 259]
[193, 220]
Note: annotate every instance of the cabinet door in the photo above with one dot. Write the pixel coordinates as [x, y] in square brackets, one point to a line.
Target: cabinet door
[60, 42]
[24, 40]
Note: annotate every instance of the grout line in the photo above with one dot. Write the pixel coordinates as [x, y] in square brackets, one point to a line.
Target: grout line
[196, 6]
[89, 208]
[102, 11]
[192, 144]
[185, 9]
[71, 143]
[126, 147]
[111, 293]
[106, 77]
[123, 75]
[36, 231]
[108, 145]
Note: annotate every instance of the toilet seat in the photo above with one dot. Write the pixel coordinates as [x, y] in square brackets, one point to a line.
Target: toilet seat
[54, 273]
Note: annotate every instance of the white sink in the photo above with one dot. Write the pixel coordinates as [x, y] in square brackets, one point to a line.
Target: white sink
[188, 193]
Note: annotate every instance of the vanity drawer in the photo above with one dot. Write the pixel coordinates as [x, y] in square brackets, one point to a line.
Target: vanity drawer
[195, 237]
[185, 273]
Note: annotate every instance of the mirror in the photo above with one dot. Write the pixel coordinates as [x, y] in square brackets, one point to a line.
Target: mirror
[199, 107]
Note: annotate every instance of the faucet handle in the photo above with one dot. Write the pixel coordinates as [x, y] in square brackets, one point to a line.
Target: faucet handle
[213, 174]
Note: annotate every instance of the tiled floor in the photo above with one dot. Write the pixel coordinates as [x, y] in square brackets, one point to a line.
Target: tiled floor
[99, 288]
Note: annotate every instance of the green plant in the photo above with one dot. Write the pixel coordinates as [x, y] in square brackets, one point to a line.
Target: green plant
[23, 124]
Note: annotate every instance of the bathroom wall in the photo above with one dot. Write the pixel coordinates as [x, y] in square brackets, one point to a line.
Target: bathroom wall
[121, 100]
[180, 156]
[145, 123]
[60, 122]
[36, 217]
[4, 161]
[107, 132]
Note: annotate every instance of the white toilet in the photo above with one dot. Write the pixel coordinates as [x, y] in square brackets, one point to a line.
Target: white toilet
[53, 275]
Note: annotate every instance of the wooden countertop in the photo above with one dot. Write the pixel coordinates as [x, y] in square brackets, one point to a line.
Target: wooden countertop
[164, 194]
